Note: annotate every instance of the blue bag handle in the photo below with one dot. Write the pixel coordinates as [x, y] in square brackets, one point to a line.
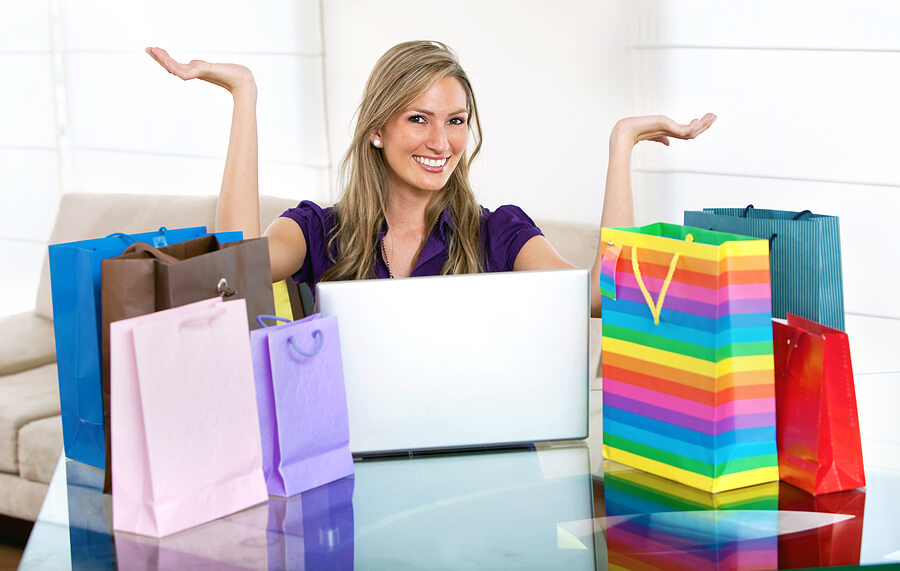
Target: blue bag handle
[157, 241]
[320, 340]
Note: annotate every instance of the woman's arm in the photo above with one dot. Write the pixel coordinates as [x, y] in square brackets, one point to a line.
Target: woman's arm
[618, 202]
[238, 205]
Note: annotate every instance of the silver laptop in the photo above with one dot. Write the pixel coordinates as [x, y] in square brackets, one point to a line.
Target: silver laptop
[476, 360]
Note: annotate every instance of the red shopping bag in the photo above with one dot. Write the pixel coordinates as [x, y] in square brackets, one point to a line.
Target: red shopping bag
[819, 448]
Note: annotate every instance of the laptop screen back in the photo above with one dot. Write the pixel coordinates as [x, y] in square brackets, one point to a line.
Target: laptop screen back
[462, 361]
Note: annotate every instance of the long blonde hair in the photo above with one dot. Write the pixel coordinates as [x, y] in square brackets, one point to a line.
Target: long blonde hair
[401, 75]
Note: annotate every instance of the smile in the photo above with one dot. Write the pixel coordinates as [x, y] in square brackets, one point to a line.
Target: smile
[433, 163]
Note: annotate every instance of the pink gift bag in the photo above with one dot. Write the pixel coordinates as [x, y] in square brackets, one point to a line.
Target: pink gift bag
[184, 428]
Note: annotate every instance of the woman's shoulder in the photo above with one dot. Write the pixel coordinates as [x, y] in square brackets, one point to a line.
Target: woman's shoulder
[505, 215]
[309, 213]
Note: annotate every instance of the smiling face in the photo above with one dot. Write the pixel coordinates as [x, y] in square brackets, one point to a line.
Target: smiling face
[423, 143]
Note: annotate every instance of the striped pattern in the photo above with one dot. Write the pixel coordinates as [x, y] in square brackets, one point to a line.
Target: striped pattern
[691, 399]
[640, 540]
[806, 273]
[608, 271]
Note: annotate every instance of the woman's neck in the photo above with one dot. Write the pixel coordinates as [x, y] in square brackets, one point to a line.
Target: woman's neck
[405, 212]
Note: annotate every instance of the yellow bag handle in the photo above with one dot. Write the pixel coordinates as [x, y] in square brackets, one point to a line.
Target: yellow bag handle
[656, 308]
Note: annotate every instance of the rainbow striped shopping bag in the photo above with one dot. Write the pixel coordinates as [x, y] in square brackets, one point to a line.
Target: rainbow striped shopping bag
[687, 366]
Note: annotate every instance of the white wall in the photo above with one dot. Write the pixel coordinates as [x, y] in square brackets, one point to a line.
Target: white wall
[29, 163]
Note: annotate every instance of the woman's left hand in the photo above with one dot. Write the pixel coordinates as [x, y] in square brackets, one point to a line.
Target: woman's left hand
[659, 128]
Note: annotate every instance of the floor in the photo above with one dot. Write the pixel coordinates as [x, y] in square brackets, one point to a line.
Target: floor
[9, 556]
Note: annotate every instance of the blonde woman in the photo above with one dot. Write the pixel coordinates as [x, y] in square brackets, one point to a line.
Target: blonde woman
[407, 208]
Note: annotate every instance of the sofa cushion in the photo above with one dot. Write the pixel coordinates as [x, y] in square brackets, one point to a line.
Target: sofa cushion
[576, 243]
[40, 444]
[28, 342]
[21, 498]
[24, 397]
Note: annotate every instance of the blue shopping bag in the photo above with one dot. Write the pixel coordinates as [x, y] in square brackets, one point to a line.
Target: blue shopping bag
[75, 292]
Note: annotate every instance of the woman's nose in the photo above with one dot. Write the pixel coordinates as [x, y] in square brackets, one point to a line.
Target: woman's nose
[437, 139]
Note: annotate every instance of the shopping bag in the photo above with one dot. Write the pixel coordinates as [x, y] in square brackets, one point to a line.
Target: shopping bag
[302, 404]
[144, 279]
[819, 447]
[688, 391]
[75, 292]
[313, 530]
[805, 257]
[826, 546]
[185, 433]
[655, 523]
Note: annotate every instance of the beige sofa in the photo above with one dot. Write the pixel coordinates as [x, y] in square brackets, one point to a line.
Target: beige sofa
[30, 426]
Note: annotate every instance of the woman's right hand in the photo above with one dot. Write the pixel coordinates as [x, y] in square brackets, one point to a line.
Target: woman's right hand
[233, 77]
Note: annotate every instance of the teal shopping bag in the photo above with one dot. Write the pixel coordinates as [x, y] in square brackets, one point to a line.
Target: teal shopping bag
[805, 257]
[75, 292]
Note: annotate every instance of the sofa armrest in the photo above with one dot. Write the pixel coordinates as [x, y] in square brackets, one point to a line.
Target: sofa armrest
[26, 342]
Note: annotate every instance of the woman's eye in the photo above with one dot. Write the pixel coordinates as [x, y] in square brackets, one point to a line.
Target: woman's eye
[458, 121]
[417, 119]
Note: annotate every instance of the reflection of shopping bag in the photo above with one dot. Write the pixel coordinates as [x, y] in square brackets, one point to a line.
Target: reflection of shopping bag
[144, 279]
[819, 447]
[235, 542]
[688, 390]
[75, 285]
[302, 404]
[655, 523]
[806, 257]
[90, 517]
[313, 530]
[185, 432]
[630, 491]
[829, 546]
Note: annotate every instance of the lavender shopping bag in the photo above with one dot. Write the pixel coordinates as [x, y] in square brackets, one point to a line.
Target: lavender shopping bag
[302, 404]
[184, 431]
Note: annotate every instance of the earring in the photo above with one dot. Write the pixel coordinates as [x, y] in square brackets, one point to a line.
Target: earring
[377, 143]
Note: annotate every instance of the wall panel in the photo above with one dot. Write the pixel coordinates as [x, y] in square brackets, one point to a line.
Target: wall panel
[25, 26]
[809, 115]
[218, 26]
[766, 24]
[127, 102]
[27, 117]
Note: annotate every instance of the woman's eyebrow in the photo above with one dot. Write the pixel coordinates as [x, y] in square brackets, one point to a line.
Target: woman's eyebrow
[428, 113]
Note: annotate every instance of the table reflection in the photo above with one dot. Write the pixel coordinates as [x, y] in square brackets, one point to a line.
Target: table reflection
[527, 508]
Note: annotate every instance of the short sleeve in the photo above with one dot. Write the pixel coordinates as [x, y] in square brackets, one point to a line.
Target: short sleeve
[315, 222]
[505, 232]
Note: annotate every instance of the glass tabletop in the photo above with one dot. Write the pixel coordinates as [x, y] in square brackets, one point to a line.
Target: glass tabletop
[540, 507]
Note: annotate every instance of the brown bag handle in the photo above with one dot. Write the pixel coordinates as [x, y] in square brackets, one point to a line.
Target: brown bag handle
[152, 251]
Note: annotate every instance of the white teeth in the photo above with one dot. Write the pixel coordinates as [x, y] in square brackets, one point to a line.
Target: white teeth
[431, 162]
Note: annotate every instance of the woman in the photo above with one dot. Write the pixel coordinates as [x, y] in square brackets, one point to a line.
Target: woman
[407, 207]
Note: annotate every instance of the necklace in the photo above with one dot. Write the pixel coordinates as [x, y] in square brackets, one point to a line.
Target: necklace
[384, 255]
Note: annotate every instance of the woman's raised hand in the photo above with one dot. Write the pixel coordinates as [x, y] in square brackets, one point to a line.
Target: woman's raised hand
[658, 128]
[232, 77]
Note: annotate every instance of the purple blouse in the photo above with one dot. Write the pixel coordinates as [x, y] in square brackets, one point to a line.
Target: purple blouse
[503, 233]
